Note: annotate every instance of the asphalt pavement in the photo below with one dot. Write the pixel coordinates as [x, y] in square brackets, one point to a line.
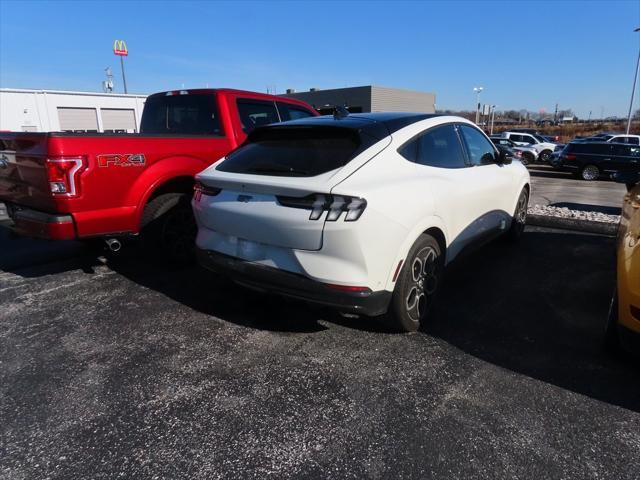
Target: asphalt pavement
[562, 189]
[126, 369]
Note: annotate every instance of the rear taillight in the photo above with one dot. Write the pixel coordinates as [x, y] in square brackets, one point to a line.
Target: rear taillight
[200, 189]
[333, 204]
[569, 156]
[64, 175]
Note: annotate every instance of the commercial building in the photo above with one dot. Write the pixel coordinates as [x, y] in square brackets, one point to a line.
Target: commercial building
[24, 110]
[369, 98]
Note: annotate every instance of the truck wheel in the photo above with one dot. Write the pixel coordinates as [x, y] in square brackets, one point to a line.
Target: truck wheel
[417, 286]
[168, 227]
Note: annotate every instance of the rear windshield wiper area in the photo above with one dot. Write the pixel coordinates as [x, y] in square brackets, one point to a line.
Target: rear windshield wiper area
[278, 171]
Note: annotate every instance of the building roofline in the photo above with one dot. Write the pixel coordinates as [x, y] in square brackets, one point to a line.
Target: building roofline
[71, 92]
[355, 87]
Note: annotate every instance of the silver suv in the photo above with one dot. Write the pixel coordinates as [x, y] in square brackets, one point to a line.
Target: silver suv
[543, 147]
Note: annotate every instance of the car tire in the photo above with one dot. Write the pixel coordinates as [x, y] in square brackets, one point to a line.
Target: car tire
[528, 158]
[519, 219]
[611, 338]
[168, 227]
[417, 287]
[544, 156]
[589, 173]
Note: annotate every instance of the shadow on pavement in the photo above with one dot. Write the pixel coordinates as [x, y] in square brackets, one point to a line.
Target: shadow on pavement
[207, 293]
[29, 257]
[539, 309]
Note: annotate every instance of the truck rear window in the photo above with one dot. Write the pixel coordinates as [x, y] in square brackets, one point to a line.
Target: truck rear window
[301, 151]
[190, 114]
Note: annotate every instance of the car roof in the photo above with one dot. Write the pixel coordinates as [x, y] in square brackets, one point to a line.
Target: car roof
[376, 123]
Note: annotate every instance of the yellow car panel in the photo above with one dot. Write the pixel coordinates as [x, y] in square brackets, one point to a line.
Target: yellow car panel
[628, 266]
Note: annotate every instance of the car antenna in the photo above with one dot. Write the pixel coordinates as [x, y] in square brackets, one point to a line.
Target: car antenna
[340, 112]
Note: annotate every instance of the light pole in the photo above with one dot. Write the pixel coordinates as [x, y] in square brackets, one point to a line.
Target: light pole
[633, 91]
[478, 90]
[493, 117]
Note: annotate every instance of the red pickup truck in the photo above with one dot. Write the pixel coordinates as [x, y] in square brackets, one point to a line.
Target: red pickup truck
[85, 186]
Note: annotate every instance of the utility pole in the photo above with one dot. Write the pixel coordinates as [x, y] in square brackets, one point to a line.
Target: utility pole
[633, 90]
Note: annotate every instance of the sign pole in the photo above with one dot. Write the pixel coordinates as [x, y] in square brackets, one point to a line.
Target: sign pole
[120, 49]
[124, 79]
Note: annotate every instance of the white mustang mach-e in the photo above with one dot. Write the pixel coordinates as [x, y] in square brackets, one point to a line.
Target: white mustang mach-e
[359, 212]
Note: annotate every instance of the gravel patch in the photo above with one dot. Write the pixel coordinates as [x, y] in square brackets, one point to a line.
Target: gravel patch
[563, 212]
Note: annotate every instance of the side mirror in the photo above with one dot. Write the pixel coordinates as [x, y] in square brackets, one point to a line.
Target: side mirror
[630, 179]
[503, 157]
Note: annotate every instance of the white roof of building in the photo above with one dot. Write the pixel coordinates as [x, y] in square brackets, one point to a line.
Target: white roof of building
[69, 92]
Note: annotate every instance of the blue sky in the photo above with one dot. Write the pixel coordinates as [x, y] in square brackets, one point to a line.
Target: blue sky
[531, 55]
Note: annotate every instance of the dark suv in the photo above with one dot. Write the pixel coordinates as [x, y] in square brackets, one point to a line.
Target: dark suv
[589, 160]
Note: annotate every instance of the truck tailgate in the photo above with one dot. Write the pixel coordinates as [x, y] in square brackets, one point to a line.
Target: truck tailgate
[23, 174]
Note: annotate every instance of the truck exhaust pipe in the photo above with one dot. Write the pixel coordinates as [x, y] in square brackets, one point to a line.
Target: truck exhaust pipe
[113, 244]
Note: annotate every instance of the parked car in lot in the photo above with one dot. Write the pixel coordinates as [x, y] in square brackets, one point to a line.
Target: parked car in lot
[544, 148]
[623, 326]
[613, 138]
[64, 186]
[360, 212]
[527, 154]
[589, 160]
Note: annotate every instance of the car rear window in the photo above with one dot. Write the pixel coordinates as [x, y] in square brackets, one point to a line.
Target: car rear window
[191, 114]
[295, 151]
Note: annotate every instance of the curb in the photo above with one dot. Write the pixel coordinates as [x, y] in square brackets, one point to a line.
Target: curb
[579, 225]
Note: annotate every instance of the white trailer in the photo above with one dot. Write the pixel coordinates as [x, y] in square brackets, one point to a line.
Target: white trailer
[23, 110]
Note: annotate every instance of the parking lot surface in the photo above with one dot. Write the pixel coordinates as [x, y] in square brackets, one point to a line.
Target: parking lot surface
[126, 369]
[562, 189]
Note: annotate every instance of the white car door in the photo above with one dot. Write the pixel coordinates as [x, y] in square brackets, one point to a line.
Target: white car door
[492, 186]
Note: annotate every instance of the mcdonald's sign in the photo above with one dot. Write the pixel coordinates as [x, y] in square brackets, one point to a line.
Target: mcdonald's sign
[120, 48]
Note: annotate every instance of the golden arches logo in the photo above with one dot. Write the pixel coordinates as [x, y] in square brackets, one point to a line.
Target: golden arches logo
[120, 48]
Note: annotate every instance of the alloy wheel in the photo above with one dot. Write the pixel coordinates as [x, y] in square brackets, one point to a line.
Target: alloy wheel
[520, 216]
[590, 172]
[423, 283]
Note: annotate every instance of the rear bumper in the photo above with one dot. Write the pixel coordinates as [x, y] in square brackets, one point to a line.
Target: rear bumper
[33, 223]
[293, 285]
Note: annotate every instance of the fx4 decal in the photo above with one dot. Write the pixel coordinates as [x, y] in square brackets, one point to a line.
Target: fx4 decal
[121, 160]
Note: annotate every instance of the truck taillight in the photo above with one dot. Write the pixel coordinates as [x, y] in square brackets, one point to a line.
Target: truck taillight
[64, 174]
[333, 204]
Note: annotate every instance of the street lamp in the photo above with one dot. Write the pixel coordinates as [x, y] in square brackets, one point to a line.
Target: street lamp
[478, 90]
[633, 91]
